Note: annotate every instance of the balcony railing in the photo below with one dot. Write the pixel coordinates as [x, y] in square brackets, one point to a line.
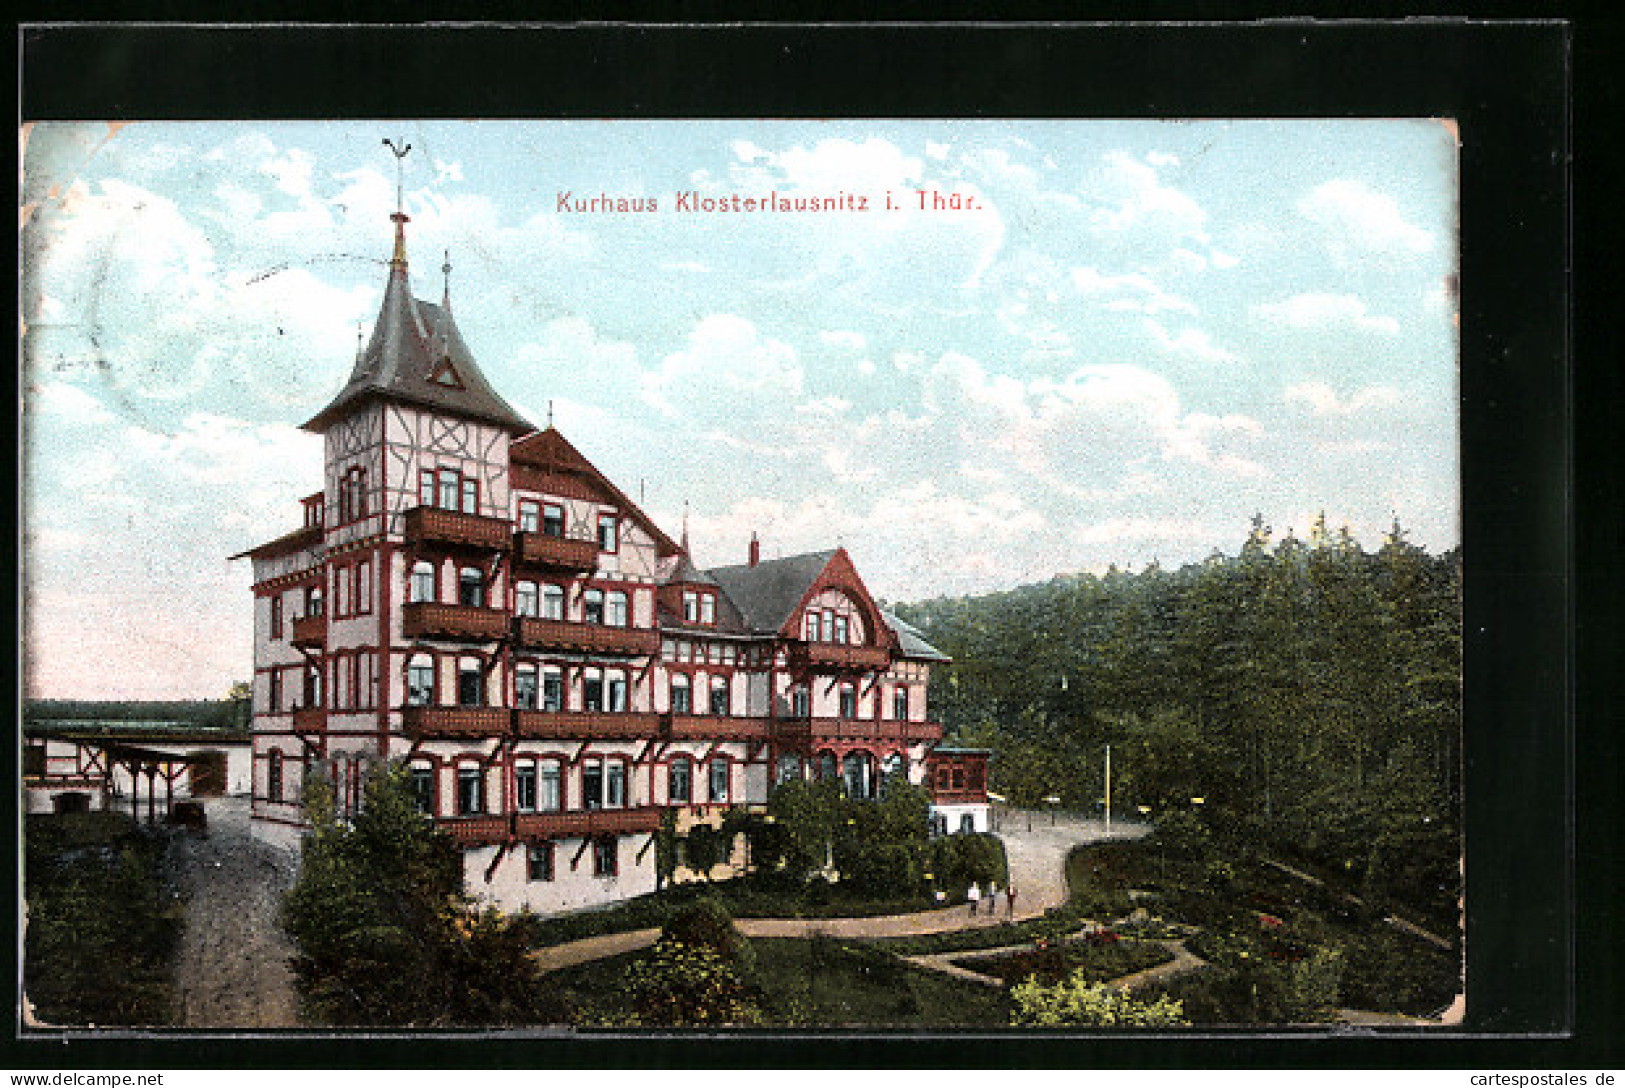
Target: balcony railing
[581, 724]
[585, 637]
[815, 730]
[425, 524]
[478, 830]
[430, 619]
[454, 721]
[836, 657]
[309, 630]
[957, 797]
[596, 821]
[556, 552]
[714, 727]
[309, 719]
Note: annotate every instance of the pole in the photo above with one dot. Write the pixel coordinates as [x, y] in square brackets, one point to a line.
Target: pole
[1108, 789]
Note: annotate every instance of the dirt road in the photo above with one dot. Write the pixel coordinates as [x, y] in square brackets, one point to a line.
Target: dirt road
[232, 968]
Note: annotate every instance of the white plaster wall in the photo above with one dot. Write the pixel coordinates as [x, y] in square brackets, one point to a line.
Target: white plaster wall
[955, 813]
[571, 888]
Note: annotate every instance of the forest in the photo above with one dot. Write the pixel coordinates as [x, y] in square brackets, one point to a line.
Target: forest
[1303, 693]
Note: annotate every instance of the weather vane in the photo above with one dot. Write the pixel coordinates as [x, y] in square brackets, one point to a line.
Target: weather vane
[400, 170]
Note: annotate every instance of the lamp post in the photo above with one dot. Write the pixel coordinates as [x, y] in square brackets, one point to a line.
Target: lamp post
[1053, 802]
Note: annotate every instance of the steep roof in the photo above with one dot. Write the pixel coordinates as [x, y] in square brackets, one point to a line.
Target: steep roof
[910, 641]
[550, 453]
[418, 355]
[768, 594]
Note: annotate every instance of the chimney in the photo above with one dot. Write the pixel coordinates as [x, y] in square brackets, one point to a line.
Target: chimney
[755, 550]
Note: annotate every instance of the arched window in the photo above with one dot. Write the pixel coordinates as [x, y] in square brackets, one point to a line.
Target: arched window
[524, 785]
[470, 682]
[789, 767]
[718, 792]
[800, 702]
[592, 783]
[849, 701]
[858, 771]
[615, 691]
[552, 688]
[719, 696]
[524, 686]
[470, 588]
[592, 689]
[273, 776]
[592, 606]
[682, 695]
[899, 702]
[826, 766]
[423, 788]
[526, 601]
[551, 794]
[422, 588]
[615, 610]
[552, 602]
[470, 789]
[420, 681]
[614, 783]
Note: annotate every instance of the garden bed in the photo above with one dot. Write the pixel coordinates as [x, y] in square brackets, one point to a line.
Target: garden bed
[1099, 958]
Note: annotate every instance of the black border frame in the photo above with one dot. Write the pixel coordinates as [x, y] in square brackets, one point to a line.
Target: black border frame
[1507, 83]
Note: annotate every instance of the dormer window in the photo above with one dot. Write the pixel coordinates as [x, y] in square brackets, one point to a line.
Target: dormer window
[446, 375]
[840, 633]
[814, 627]
[691, 606]
[708, 609]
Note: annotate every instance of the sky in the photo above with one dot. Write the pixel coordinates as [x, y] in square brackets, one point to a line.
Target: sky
[1113, 344]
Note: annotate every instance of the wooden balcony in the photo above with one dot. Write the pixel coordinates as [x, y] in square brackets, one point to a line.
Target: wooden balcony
[432, 525]
[310, 719]
[587, 638]
[714, 727]
[578, 824]
[556, 552]
[957, 797]
[309, 630]
[430, 619]
[814, 731]
[837, 657]
[584, 724]
[454, 721]
[478, 830]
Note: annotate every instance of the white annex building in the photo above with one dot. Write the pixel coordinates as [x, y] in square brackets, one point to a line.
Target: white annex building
[466, 593]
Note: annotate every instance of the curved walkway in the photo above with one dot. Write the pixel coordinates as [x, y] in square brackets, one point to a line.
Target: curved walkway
[1036, 844]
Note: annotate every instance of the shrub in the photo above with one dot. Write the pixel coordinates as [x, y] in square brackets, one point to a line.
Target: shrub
[708, 925]
[1078, 1002]
[681, 985]
[1181, 834]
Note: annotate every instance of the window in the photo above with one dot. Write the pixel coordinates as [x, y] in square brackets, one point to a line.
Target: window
[973, 777]
[313, 601]
[553, 519]
[680, 781]
[899, 703]
[615, 611]
[524, 687]
[420, 682]
[450, 485]
[552, 603]
[313, 685]
[530, 516]
[426, 487]
[829, 624]
[363, 586]
[273, 699]
[471, 496]
[605, 856]
[614, 691]
[470, 588]
[341, 591]
[592, 690]
[526, 600]
[551, 798]
[708, 609]
[691, 606]
[800, 702]
[840, 630]
[719, 696]
[858, 771]
[422, 588]
[789, 768]
[956, 778]
[826, 766]
[682, 697]
[524, 787]
[719, 781]
[273, 776]
[423, 789]
[608, 532]
[539, 861]
[615, 784]
[470, 790]
[592, 784]
[276, 616]
[592, 606]
[552, 689]
[849, 701]
[470, 683]
[814, 627]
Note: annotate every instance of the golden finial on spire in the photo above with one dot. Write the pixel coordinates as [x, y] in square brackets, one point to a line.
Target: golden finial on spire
[400, 217]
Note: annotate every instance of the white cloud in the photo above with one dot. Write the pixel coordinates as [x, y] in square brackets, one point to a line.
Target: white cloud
[1132, 293]
[1361, 218]
[1189, 343]
[726, 364]
[1324, 311]
[1131, 197]
[1324, 401]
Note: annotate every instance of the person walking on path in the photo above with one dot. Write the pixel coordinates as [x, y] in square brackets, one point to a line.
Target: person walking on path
[973, 895]
[1010, 901]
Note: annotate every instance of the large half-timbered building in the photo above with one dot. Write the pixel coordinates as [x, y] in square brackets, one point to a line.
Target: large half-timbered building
[468, 594]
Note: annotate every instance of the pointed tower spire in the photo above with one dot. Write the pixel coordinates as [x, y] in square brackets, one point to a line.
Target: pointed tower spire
[685, 527]
[445, 291]
[400, 217]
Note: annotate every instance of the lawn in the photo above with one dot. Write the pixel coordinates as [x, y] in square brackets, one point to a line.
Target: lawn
[810, 983]
[102, 925]
[1050, 964]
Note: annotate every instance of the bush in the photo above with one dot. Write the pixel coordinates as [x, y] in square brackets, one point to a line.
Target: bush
[707, 924]
[1079, 1002]
[1184, 835]
[681, 985]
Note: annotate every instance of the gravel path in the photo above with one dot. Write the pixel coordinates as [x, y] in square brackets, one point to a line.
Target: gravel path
[232, 968]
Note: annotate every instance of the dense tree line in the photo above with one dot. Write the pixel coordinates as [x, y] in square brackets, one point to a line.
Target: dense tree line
[229, 713]
[1307, 690]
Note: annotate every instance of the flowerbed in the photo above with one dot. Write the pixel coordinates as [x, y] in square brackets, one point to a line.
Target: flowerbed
[1100, 958]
